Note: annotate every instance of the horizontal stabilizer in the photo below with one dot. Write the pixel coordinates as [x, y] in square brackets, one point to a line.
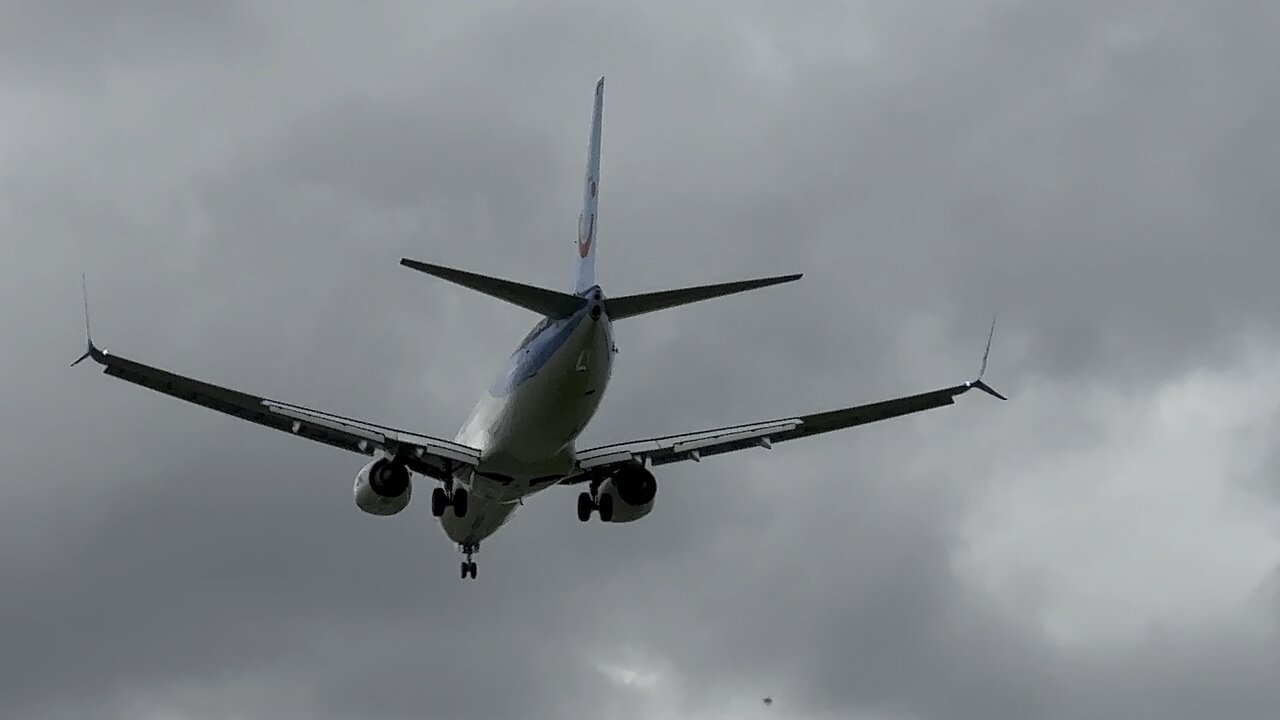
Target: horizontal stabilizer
[630, 305]
[550, 303]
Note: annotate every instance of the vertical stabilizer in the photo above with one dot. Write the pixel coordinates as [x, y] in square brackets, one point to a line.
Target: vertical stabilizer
[590, 191]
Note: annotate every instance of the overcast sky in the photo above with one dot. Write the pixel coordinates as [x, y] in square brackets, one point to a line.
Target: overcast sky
[240, 179]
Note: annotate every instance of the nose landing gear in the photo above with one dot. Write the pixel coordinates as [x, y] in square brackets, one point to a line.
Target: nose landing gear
[469, 565]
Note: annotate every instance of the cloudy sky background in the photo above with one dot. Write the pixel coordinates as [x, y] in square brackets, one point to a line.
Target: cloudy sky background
[240, 179]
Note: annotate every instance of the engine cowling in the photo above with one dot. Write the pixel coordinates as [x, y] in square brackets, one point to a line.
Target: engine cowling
[383, 487]
[633, 489]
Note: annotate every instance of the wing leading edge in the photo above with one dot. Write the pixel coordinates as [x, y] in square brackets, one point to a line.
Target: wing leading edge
[599, 461]
[425, 455]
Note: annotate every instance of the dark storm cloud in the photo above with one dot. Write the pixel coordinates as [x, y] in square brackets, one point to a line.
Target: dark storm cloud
[76, 45]
[239, 183]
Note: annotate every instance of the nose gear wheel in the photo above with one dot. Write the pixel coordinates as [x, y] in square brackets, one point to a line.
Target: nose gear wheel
[469, 566]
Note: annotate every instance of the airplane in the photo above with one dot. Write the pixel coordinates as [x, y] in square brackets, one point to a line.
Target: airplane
[521, 437]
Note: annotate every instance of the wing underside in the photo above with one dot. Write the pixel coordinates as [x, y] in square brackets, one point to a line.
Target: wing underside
[598, 462]
[422, 454]
[695, 446]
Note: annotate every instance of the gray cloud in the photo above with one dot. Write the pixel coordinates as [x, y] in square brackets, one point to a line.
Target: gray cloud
[239, 182]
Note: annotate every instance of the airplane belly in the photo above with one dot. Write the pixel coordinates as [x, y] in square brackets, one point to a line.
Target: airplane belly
[525, 428]
[545, 413]
[554, 407]
[484, 517]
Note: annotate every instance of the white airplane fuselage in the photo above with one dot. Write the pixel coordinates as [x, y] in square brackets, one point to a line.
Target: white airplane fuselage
[520, 438]
[526, 424]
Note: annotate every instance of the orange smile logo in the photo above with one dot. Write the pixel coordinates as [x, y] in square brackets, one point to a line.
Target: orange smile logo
[585, 238]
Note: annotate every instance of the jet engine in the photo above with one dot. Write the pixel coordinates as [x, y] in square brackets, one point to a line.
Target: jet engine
[631, 491]
[383, 487]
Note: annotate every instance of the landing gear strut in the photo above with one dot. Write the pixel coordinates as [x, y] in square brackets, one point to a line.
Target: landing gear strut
[442, 498]
[587, 503]
[469, 565]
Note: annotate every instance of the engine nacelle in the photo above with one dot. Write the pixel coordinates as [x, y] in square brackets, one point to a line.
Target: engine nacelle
[632, 489]
[383, 487]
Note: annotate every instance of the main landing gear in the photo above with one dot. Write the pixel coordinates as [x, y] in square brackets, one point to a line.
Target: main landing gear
[469, 565]
[589, 501]
[449, 496]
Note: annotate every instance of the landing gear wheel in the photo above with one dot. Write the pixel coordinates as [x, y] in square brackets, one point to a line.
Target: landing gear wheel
[585, 505]
[468, 565]
[605, 505]
[460, 502]
[439, 501]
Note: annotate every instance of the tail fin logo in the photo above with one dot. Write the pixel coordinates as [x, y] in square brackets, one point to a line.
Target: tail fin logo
[586, 238]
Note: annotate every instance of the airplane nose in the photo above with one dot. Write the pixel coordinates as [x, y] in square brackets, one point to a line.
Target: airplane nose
[596, 310]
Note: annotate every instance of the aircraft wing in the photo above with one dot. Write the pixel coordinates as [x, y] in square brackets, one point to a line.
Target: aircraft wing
[425, 455]
[598, 462]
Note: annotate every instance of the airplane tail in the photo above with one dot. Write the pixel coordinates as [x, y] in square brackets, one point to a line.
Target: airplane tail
[586, 278]
[630, 305]
[555, 304]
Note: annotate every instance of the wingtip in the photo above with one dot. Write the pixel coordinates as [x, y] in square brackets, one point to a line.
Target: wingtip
[987, 389]
[986, 353]
[416, 264]
[84, 293]
[781, 279]
[91, 350]
[982, 370]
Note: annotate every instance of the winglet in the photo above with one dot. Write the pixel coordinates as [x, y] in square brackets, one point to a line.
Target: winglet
[91, 350]
[977, 382]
